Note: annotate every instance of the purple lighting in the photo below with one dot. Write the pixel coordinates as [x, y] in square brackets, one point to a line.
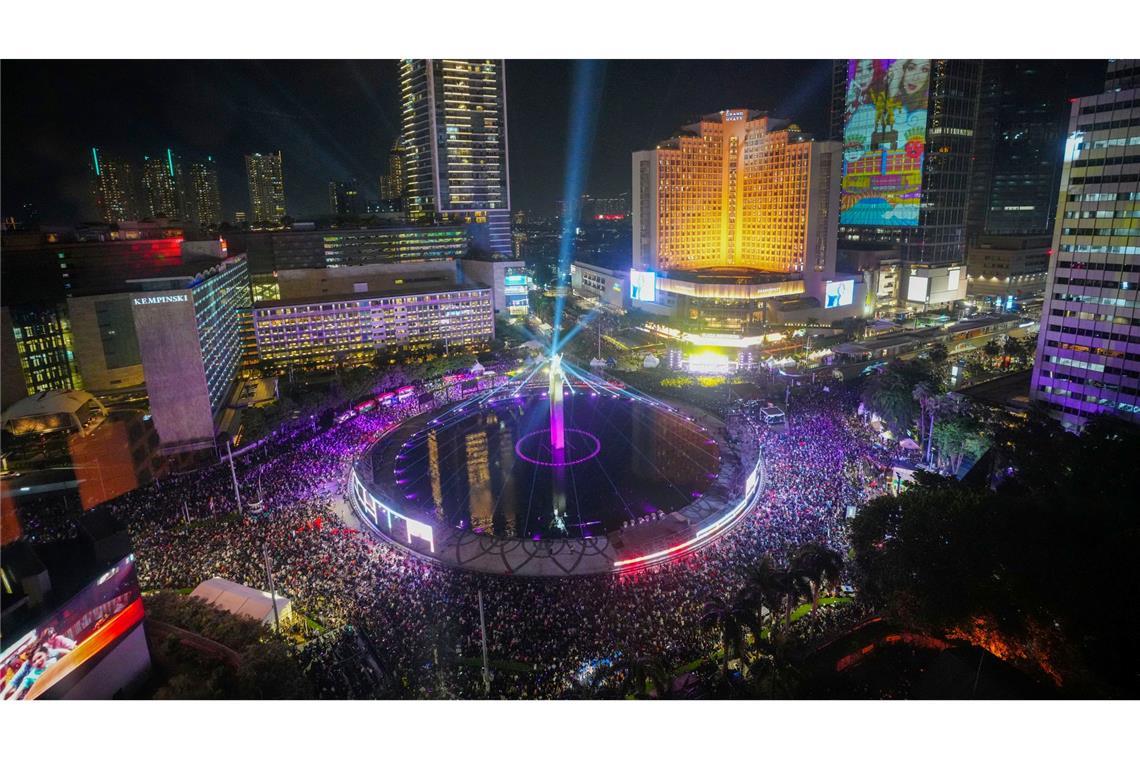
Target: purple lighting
[594, 443]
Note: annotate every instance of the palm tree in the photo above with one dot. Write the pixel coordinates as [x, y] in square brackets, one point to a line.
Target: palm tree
[816, 566]
[926, 399]
[730, 619]
[767, 586]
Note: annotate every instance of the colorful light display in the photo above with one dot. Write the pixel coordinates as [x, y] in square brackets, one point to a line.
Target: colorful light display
[884, 141]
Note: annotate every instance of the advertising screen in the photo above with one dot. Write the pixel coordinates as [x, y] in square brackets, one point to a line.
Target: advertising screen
[642, 285]
[884, 140]
[917, 288]
[77, 634]
[840, 293]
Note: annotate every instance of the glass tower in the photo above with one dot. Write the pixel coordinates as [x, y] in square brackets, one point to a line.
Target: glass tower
[455, 146]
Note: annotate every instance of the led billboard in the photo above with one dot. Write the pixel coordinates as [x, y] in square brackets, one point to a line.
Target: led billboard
[884, 141]
[840, 293]
[918, 288]
[51, 657]
[642, 286]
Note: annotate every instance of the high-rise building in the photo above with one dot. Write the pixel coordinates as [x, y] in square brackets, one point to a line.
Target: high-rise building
[736, 189]
[392, 183]
[113, 185]
[266, 188]
[907, 127]
[455, 141]
[1088, 350]
[202, 195]
[161, 179]
[344, 198]
[1022, 115]
[736, 212]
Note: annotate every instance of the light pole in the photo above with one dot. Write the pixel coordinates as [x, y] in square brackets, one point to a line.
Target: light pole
[272, 588]
[233, 473]
[483, 632]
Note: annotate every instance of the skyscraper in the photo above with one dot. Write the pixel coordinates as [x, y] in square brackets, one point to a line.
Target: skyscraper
[202, 196]
[392, 183]
[1088, 350]
[160, 186]
[266, 188]
[344, 198]
[455, 140]
[907, 127]
[1022, 115]
[113, 186]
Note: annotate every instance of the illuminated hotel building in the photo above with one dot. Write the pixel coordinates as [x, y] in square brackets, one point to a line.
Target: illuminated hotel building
[736, 209]
[344, 330]
[44, 347]
[1088, 350]
[911, 160]
[113, 186]
[736, 189]
[266, 188]
[160, 185]
[203, 198]
[456, 165]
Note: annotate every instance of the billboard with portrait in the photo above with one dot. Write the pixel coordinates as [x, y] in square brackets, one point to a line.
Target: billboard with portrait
[840, 293]
[884, 141]
[51, 657]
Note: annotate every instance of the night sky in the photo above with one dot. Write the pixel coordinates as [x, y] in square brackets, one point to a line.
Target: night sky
[337, 119]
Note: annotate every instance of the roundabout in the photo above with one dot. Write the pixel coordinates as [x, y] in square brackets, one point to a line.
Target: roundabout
[572, 476]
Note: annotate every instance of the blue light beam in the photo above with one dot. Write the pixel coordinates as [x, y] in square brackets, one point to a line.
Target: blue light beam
[588, 76]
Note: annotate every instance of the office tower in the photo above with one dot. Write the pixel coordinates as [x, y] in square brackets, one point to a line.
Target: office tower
[736, 189]
[44, 347]
[455, 140]
[203, 198]
[161, 178]
[392, 183]
[1088, 350]
[907, 127]
[1023, 112]
[344, 198]
[1122, 74]
[266, 188]
[113, 186]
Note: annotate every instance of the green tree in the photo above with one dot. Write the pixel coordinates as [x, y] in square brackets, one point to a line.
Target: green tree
[730, 619]
[816, 566]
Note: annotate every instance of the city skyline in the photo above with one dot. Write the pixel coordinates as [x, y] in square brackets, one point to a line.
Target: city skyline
[334, 119]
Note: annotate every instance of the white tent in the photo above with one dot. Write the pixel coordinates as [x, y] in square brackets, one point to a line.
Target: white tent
[651, 362]
[242, 600]
[477, 368]
[597, 362]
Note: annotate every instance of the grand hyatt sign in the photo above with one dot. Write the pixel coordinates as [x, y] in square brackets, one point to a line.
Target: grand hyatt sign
[148, 300]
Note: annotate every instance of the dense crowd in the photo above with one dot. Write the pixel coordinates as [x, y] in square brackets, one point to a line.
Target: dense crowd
[408, 628]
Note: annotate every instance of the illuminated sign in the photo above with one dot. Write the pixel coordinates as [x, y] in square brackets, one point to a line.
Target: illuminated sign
[148, 300]
[917, 288]
[884, 141]
[953, 278]
[642, 286]
[840, 293]
[513, 280]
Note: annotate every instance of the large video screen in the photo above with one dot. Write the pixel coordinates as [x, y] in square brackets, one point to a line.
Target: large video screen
[840, 293]
[884, 141]
[642, 285]
[77, 634]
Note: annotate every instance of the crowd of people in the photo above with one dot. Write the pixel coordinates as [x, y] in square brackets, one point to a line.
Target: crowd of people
[405, 627]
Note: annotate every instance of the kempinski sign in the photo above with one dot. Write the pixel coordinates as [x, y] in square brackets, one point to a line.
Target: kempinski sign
[147, 300]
